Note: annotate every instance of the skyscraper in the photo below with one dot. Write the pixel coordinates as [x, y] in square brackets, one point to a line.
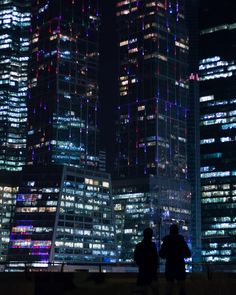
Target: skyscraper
[63, 100]
[151, 128]
[217, 122]
[14, 56]
[193, 140]
[64, 205]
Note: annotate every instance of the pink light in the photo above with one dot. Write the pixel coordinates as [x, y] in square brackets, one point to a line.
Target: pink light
[192, 77]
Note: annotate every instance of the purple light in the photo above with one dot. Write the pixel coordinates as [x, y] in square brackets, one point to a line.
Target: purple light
[40, 254]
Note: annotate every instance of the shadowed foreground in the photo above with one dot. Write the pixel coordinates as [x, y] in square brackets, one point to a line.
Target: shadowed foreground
[107, 283]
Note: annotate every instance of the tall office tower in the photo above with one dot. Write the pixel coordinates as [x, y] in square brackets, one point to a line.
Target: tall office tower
[63, 100]
[64, 205]
[218, 130]
[193, 141]
[14, 56]
[151, 164]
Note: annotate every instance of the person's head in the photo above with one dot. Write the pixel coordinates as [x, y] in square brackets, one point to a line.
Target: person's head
[148, 233]
[174, 230]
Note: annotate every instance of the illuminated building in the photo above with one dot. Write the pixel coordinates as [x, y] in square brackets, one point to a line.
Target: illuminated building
[149, 201]
[218, 131]
[63, 214]
[8, 190]
[151, 129]
[63, 98]
[64, 205]
[14, 55]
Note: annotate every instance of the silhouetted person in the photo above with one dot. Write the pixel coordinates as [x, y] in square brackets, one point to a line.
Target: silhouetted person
[146, 257]
[174, 249]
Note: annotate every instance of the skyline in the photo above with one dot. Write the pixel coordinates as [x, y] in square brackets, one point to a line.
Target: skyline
[124, 95]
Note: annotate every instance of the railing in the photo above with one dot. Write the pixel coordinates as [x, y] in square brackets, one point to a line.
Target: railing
[19, 266]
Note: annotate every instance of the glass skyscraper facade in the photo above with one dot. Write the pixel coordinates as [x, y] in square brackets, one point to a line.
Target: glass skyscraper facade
[151, 127]
[217, 129]
[63, 98]
[14, 57]
[193, 142]
[63, 214]
[64, 210]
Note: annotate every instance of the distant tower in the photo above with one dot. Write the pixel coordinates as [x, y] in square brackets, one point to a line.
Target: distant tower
[217, 69]
[193, 129]
[14, 56]
[151, 128]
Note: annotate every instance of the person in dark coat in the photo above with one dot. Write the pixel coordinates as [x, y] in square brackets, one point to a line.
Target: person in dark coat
[146, 257]
[174, 249]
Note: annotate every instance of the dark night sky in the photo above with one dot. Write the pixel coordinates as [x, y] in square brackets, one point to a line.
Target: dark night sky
[108, 73]
[215, 13]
